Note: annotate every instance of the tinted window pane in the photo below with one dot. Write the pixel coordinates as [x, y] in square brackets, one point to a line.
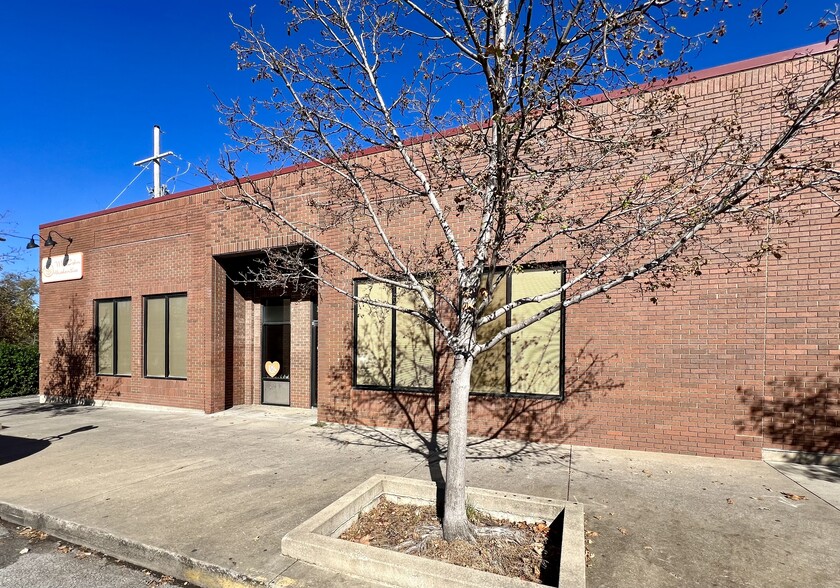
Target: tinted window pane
[105, 331]
[155, 337]
[373, 337]
[277, 346]
[414, 366]
[178, 337]
[124, 337]
[277, 312]
[535, 350]
[489, 369]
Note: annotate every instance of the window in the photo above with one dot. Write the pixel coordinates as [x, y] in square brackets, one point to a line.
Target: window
[166, 336]
[113, 337]
[393, 350]
[531, 360]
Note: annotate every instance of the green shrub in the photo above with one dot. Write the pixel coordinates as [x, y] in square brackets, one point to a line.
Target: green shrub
[18, 370]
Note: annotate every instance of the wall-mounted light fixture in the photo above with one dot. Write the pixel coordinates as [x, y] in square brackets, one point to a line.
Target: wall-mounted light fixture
[33, 244]
[50, 242]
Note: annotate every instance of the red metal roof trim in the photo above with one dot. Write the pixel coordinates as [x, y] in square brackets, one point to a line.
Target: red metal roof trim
[704, 74]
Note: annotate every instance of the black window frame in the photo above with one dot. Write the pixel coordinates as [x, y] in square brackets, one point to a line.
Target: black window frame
[115, 344]
[561, 396]
[392, 388]
[166, 334]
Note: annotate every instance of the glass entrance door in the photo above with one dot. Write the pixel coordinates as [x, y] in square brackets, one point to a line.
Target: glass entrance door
[276, 351]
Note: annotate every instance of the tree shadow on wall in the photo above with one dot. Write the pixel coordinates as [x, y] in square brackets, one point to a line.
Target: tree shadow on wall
[418, 414]
[797, 413]
[549, 418]
[422, 416]
[72, 378]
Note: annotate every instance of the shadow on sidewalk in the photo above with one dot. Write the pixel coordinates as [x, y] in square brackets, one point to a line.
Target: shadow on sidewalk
[515, 429]
[15, 448]
[821, 473]
[48, 409]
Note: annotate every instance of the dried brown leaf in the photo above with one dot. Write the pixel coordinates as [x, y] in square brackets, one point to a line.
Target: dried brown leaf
[514, 549]
[32, 534]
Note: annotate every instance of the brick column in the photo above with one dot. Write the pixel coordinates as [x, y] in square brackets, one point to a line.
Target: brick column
[301, 353]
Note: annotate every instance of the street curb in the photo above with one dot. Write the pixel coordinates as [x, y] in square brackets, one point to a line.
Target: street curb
[200, 573]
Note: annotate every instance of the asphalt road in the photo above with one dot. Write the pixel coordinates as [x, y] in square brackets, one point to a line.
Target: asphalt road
[50, 563]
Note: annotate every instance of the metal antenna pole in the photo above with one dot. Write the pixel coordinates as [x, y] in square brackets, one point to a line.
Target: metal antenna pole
[156, 154]
[156, 157]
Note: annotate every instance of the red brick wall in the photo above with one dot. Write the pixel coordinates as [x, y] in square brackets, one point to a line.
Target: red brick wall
[301, 353]
[144, 251]
[724, 364]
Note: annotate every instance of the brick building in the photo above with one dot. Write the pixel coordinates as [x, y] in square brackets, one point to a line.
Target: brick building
[148, 309]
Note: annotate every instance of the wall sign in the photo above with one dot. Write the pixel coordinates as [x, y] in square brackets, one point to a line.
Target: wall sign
[58, 271]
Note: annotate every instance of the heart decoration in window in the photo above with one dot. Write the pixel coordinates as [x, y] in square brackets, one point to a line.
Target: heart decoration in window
[272, 368]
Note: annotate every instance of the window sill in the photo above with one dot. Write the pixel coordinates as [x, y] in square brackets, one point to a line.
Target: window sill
[560, 397]
[164, 378]
[393, 390]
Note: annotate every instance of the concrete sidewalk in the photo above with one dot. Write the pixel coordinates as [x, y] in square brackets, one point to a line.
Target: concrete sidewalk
[225, 488]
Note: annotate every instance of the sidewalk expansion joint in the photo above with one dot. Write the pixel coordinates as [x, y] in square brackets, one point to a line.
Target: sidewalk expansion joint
[809, 490]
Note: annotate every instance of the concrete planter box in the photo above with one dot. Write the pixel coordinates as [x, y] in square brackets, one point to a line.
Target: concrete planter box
[316, 540]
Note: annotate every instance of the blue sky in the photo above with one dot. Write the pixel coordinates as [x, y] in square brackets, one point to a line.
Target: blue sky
[83, 83]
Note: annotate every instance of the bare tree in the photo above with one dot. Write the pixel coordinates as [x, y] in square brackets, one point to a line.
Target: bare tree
[8, 253]
[506, 132]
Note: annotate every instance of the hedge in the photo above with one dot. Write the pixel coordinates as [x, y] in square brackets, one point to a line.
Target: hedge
[18, 370]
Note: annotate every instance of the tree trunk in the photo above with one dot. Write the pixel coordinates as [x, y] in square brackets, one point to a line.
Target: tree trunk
[455, 522]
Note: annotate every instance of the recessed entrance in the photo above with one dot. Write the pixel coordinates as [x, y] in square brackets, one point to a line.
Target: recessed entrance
[261, 364]
[276, 351]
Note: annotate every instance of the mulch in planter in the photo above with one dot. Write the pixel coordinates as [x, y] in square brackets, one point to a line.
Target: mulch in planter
[516, 549]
